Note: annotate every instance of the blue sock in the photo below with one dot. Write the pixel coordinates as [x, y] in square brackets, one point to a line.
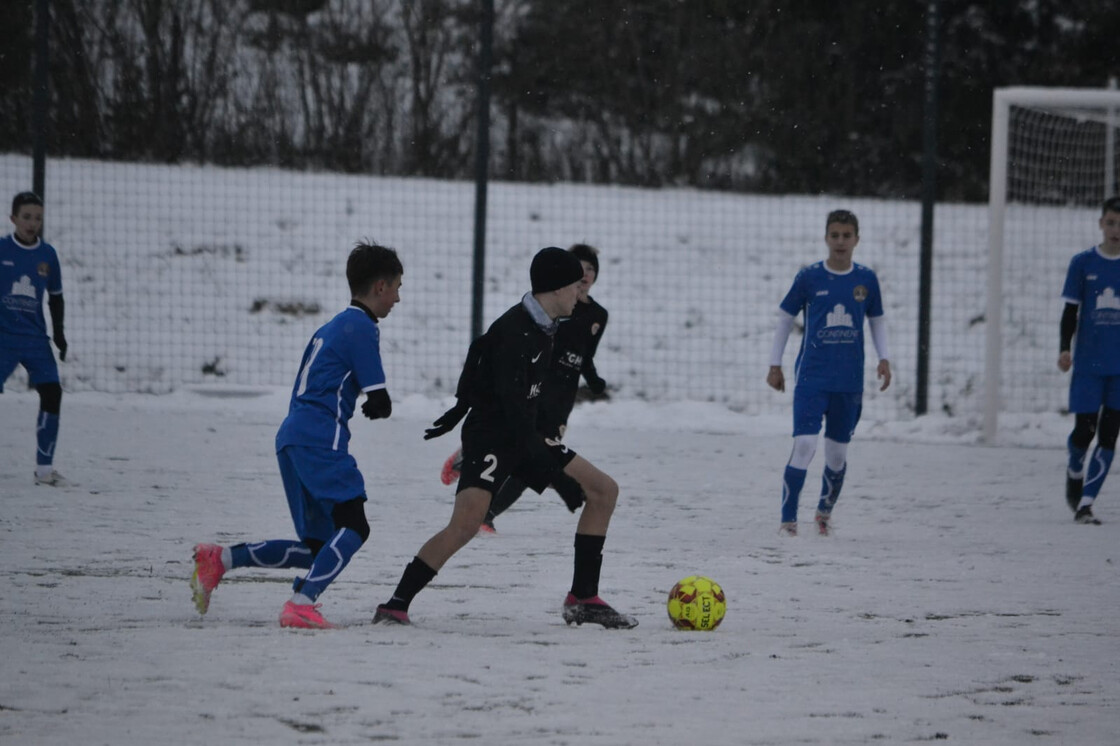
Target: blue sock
[278, 553]
[792, 482]
[331, 560]
[46, 430]
[1095, 474]
[1076, 459]
[831, 482]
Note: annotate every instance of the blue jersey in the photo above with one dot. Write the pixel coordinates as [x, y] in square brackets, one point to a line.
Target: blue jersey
[342, 360]
[27, 275]
[1093, 282]
[835, 306]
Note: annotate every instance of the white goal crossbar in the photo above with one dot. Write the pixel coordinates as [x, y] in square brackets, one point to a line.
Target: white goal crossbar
[1081, 103]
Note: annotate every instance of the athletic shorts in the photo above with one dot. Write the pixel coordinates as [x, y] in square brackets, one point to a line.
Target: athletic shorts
[36, 357]
[840, 411]
[1088, 392]
[315, 480]
[488, 461]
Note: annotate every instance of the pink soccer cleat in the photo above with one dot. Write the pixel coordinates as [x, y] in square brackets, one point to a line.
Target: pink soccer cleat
[451, 466]
[303, 616]
[208, 572]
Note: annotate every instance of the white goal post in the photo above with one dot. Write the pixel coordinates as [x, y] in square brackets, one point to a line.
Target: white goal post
[1053, 162]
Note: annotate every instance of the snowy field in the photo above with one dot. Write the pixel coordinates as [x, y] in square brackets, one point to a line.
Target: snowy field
[957, 600]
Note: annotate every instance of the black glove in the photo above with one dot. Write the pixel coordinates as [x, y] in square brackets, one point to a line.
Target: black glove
[596, 386]
[60, 342]
[448, 420]
[377, 404]
[570, 490]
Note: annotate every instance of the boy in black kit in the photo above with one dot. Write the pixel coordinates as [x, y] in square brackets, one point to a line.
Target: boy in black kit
[501, 383]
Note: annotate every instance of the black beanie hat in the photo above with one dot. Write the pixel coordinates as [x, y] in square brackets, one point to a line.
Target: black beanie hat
[553, 268]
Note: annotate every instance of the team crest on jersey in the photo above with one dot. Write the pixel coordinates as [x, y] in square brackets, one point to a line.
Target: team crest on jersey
[595, 328]
[859, 292]
[43, 269]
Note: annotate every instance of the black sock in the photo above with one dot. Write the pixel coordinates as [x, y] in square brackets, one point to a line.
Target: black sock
[416, 575]
[589, 561]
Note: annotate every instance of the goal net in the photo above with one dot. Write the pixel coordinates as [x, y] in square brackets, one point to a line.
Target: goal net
[1053, 162]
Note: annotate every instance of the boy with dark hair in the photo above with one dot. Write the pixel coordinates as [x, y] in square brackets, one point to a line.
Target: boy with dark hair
[325, 490]
[502, 382]
[1092, 314]
[29, 270]
[836, 295]
[576, 342]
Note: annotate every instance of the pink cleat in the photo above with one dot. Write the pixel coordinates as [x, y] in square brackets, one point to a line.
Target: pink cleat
[303, 616]
[208, 572]
[451, 466]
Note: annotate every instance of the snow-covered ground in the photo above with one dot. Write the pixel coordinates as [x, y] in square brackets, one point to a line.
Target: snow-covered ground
[956, 601]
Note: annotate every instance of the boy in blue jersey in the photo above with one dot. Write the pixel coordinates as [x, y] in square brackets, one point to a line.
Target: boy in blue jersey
[836, 296]
[505, 376]
[1092, 313]
[29, 270]
[325, 491]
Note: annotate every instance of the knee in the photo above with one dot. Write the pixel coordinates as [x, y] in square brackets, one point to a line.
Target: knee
[1084, 429]
[50, 397]
[604, 492]
[1109, 428]
[804, 448]
[352, 515]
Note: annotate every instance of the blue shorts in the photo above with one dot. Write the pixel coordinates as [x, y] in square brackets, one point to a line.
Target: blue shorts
[1089, 391]
[35, 356]
[840, 411]
[315, 480]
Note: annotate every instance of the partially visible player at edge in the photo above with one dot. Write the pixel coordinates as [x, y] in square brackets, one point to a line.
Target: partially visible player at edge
[573, 355]
[1092, 315]
[502, 380]
[836, 295]
[326, 493]
[29, 269]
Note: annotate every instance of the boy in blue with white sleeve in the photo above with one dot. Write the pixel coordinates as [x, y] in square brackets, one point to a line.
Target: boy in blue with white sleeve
[325, 491]
[29, 270]
[1092, 313]
[836, 296]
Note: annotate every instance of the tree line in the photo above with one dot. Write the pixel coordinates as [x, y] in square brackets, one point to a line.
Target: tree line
[783, 96]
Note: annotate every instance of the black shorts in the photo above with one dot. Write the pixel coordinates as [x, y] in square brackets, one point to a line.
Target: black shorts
[488, 461]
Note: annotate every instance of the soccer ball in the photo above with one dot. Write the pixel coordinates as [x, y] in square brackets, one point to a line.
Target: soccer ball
[696, 603]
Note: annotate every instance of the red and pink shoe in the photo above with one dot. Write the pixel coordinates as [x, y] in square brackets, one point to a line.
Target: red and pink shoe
[450, 471]
[208, 572]
[303, 616]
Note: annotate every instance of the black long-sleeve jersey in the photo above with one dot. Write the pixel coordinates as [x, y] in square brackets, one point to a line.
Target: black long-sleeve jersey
[502, 382]
[574, 347]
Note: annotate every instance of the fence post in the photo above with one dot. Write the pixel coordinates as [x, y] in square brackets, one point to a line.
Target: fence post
[481, 162]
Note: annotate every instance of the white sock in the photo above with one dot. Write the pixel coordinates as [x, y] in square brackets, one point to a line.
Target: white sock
[43, 470]
[227, 558]
[301, 600]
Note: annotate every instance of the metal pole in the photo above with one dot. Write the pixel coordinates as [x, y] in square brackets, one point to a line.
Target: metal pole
[40, 98]
[929, 198]
[1110, 148]
[481, 163]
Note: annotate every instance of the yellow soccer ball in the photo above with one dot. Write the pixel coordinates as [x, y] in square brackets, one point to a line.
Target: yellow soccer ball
[697, 602]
